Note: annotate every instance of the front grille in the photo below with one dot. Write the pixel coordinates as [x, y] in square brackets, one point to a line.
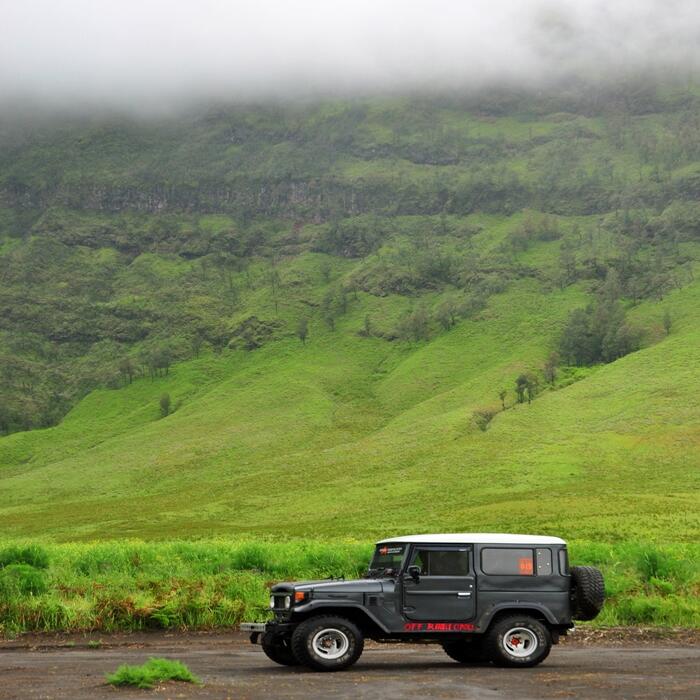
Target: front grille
[279, 601]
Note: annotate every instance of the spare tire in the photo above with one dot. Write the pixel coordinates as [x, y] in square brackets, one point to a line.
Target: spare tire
[587, 592]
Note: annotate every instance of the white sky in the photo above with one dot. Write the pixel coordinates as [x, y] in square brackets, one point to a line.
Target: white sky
[131, 52]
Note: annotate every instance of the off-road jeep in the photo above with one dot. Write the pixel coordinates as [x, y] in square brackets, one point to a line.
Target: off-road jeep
[503, 599]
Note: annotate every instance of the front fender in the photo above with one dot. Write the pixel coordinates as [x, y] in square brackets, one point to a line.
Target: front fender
[332, 605]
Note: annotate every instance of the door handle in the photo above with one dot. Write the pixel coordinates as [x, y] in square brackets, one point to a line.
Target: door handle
[466, 594]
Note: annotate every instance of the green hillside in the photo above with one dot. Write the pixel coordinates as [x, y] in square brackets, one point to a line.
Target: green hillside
[334, 298]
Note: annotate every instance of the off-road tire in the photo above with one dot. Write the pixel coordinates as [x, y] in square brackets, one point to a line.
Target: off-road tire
[464, 651]
[306, 632]
[496, 649]
[278, 648]
[587, 592]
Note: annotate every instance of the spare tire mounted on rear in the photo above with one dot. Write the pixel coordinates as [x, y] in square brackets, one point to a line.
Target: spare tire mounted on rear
[587, 592]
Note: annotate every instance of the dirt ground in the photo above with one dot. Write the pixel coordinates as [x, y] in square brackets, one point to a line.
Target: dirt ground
[592, 664]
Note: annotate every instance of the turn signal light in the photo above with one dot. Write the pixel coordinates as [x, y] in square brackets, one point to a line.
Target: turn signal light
[299, 596]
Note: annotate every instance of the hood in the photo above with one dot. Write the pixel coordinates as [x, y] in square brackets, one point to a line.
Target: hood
[364, 585]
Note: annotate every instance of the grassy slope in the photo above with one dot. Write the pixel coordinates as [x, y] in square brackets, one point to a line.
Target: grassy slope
[265, 442]
[357, 436]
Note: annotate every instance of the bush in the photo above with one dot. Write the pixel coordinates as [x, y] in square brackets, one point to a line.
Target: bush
[353, 237]
[21, 580]
[483, 416]
[165, 405]
[654, 564]
[414, 325]
[598, 333]
[32, 554]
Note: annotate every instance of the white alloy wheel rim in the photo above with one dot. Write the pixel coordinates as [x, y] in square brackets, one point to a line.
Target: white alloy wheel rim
[520, 642]
[330, 643]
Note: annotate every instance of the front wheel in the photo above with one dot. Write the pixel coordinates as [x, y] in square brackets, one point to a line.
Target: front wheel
[465, 651]
[278, 649]
[327, 643]
[519, 641]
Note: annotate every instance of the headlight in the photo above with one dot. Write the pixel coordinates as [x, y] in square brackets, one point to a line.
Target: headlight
[272, 601]
[287, 602]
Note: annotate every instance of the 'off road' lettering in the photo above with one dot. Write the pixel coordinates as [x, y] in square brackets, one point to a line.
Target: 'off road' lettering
[438, 627]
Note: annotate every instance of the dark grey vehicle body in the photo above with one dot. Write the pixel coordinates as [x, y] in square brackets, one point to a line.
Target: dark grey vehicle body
[459, 601]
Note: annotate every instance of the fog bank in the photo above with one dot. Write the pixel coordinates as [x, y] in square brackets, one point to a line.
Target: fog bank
[135, 54]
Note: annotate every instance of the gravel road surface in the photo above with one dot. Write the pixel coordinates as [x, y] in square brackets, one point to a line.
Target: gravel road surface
[608, 666]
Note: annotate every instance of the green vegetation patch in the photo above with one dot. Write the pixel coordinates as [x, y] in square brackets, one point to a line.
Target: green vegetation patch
[133, 585]
[151, 673]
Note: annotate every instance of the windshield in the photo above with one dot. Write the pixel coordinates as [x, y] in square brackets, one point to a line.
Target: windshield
[387, 559]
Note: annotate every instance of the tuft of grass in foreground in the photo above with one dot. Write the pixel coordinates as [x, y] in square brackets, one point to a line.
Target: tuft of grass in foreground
[134, 585]
[152, 672]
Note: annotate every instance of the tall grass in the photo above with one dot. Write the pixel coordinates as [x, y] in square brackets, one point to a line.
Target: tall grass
[133, 585]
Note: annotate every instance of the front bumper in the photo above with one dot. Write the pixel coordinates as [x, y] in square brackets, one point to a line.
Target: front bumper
[255, 629]
[253, 626]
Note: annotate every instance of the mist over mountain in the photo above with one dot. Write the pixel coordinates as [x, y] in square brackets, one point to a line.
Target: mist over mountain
[142, 56]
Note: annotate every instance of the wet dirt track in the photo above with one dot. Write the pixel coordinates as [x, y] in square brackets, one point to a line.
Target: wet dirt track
[231, 668]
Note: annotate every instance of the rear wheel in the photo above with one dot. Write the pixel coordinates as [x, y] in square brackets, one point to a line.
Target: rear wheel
[279, 649]
[518, 640]
[465, 651]
[327, 643]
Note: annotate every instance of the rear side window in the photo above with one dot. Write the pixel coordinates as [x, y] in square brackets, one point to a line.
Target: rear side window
[507, 562]
[563, 562]
[442, 562]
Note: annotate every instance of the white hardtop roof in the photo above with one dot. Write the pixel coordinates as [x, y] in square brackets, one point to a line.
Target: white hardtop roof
[476, 538]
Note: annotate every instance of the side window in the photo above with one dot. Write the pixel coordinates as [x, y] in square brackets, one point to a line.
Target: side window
[442, 562]
[420, 558]
[544, 562]
[563, 562]
[507, 562]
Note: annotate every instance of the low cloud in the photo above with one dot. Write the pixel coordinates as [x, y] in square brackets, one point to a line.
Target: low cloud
[141, 53]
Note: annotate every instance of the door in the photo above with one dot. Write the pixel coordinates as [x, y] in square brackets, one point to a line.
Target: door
[445, 589]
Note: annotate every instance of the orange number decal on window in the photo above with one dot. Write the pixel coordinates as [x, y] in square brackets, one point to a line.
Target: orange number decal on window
[525, 565]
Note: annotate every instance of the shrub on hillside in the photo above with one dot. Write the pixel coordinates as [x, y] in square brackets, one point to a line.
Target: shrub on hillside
[31, 554]
[21, 580]
[483, 416]
[415, 325]
[353, 237]
[598, 333]
[543, 228]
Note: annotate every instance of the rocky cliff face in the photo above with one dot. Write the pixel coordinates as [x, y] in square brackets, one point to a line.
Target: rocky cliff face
[313, 200]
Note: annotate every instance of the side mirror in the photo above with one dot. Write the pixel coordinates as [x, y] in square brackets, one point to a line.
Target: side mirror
[414, 572]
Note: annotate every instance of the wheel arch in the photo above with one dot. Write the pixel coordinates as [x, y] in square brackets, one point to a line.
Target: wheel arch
[368, 623]
[539, 612]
